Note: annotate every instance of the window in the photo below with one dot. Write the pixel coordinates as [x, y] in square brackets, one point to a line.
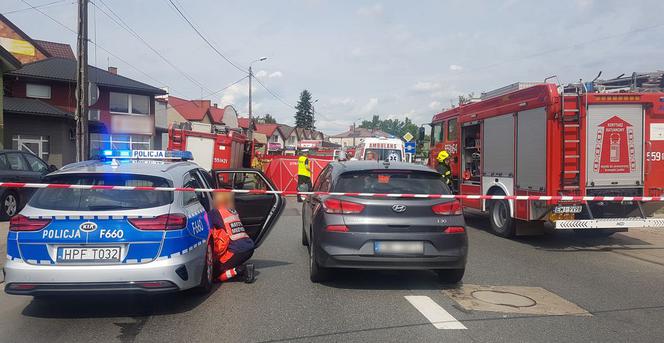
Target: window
[37, 91]
[129, 103]
[36, 145]
[99, 142]
[436, 131]
[36, 165]
[16, 162]
[69, 199]
[291, 140]
[4, 165]
[391, 181]
[249, 181]
[452, 130]
[190, 181]
[274, 139]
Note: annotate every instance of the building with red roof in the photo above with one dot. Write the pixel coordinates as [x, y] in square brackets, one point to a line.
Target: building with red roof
[202, 111]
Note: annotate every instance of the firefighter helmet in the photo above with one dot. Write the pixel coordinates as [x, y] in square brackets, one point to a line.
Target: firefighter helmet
[442, 156]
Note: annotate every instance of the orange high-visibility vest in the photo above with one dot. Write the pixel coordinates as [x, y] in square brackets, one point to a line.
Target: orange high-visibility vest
[229, 235]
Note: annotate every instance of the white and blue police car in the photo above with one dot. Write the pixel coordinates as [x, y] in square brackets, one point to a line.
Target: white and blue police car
[74, 240]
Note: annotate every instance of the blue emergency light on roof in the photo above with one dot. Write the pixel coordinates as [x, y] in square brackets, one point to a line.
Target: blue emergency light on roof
[148, 155]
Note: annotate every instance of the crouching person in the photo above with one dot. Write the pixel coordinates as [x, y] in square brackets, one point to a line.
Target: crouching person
[232, 246]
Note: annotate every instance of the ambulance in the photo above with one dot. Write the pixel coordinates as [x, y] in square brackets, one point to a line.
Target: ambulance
[385, 149]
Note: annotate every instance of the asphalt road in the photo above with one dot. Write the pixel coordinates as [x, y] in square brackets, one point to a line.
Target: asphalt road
[624, 296]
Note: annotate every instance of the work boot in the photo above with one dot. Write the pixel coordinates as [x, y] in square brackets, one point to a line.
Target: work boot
[249, 276]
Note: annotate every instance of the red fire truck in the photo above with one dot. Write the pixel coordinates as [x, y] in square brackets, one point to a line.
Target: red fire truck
[213, 147]
[540, 139]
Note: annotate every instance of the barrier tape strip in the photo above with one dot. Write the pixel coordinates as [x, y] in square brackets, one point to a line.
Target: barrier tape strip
[377, 195]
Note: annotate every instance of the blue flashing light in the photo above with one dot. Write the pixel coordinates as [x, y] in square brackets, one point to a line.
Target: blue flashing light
[148, 155]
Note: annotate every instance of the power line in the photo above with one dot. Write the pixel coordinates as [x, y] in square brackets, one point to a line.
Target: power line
[205, 39]
[216, 92]
[131, 31]
[274, 94]
[38, 6]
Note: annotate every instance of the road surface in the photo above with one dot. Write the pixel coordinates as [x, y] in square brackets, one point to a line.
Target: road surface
[615, 287]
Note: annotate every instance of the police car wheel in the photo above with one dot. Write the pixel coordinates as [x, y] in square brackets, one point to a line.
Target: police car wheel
[207, 274]
[450, 276]
[9, 203]
[305, 242]
[502, 223]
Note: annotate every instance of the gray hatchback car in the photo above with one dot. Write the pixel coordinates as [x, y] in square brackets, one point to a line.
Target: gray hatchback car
[370, 232]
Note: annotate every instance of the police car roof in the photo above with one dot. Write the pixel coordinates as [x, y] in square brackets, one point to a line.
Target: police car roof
[170, 169]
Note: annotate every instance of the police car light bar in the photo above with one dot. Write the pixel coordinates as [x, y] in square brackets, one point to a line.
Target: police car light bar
[148, 155]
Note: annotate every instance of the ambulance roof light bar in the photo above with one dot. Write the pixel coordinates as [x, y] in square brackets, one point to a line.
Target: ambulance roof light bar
[147, 155]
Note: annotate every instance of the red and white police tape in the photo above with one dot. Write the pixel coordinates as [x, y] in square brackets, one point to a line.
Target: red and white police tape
[378, 195]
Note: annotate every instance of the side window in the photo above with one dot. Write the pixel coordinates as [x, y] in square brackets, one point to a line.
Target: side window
[441, 133]
[452, 130]
[190, 181]
[325, 183]
[248, 181]
[4, 165]
[322, 176]
[36, 165]
[436, 132]
[16, 161]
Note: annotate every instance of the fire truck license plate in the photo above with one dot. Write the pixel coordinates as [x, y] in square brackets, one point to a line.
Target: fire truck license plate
[568, 209]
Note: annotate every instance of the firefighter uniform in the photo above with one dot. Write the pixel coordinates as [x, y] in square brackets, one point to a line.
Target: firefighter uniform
[444, 168]
[232, 245]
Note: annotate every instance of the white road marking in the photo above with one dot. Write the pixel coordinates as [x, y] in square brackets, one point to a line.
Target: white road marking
[437, 315]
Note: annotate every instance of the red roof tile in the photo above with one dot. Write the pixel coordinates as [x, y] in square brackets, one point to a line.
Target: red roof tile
[243, 122]
[267, 129]
[217, 114]
[194, 110]
[61, 50]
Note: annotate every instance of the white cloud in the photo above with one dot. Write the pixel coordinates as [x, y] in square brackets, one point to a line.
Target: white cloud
[435, 105]
[455, 67]
[369, 106]
[342, 101]
[233, 94]
[426, 86]
[261, 74]
[357, 52]
[371, 11]
[275, 74]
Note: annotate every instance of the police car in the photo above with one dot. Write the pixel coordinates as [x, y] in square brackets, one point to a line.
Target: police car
[102, 240]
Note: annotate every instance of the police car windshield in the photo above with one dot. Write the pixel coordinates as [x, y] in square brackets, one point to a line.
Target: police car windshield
[391, 181]
[67, 199]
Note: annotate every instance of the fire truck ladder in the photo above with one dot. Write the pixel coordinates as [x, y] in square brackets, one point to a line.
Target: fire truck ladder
[572, 103]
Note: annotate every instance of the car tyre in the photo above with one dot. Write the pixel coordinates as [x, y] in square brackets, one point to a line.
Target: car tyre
[502, 223]
[9, 204]
[316, 272]
[207, 275]
[305, 242]
[450, 276]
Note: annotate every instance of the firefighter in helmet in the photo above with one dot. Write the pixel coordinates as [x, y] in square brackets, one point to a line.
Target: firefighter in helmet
[443, 168]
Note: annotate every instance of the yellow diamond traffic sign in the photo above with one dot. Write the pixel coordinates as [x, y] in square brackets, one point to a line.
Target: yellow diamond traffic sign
[408, 136]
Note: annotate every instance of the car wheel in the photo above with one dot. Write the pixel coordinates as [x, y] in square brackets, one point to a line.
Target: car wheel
[450, 276]
[207, 274]
[502, 223]
[316, 272]
[305, 242]
[9, 204]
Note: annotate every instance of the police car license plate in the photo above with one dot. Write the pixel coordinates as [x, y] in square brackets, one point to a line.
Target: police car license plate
[399, 247]
[92, 254]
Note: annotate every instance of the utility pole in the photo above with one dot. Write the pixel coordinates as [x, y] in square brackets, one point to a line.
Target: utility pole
[250, 131]
[81, 114]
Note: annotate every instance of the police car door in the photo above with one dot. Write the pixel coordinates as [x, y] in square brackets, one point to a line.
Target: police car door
[259, 212]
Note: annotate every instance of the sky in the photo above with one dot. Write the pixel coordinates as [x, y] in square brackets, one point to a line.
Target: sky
[395, 59]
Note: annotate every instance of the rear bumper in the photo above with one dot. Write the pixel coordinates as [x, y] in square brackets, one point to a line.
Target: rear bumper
[120, 278]
[356, 250]
[609, 223]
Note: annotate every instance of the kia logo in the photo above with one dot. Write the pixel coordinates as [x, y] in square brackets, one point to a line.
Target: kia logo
[88, 226]
[398, 208]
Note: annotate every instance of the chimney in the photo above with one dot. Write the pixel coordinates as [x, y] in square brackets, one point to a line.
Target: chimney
[215, 105]
[113, 70]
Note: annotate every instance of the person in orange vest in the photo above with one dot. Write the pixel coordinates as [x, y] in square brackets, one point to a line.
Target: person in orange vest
[232, 245]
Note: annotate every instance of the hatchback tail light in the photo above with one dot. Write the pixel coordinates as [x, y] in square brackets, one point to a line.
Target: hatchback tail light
[452, 208]
[164, 222]
[454, 229]
[341, 206]
[23, 223]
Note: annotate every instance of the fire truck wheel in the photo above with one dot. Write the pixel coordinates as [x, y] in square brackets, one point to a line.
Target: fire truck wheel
[502, 222]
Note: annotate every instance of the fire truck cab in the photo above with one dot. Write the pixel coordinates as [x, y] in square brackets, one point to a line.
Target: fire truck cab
[212, 146]
[546, 140]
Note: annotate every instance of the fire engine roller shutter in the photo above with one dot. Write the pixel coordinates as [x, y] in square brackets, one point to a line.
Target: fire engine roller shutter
[531, 150]
[498, 145]
[614, 154]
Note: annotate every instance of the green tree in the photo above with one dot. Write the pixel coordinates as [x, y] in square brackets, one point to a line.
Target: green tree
[266, 119]
[304, 117]
[394, 127]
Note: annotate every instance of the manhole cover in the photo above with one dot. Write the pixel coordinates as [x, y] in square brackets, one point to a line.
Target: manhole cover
[504, 298]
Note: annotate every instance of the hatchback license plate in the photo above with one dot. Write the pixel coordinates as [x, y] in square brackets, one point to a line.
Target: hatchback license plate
[96, 254]
[399, 247]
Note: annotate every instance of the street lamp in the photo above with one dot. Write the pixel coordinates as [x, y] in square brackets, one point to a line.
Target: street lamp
[313, 112]
[251, 75]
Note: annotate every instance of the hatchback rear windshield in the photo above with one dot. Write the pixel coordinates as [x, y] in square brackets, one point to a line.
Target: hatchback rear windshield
[67, 199]
[391, 181]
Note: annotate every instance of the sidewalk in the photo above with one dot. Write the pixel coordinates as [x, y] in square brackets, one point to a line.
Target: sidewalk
[4, 227]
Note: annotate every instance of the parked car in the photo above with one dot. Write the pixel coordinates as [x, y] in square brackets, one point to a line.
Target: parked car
[19, 166]
[353, 231]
